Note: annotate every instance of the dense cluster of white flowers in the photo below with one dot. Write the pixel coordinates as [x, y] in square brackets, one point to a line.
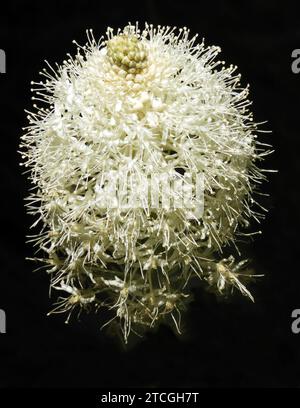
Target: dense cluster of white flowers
[142, 101]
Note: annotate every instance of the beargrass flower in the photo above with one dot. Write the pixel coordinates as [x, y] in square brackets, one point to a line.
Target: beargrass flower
[143, 114]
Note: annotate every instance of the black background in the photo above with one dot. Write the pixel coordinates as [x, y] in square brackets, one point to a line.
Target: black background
[231, 343]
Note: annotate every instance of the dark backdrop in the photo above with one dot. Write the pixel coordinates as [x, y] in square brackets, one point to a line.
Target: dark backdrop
[231, 343]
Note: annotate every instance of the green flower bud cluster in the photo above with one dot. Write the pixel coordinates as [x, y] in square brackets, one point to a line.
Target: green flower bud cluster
[128, 53]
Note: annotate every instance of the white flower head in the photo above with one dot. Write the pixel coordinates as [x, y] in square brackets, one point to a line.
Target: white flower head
[139, 106]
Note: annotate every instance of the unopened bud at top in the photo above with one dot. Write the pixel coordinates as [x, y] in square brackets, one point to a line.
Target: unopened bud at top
[128, 53]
